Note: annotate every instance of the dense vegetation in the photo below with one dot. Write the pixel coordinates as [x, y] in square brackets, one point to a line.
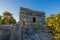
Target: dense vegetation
[7, 18]
[53, 21]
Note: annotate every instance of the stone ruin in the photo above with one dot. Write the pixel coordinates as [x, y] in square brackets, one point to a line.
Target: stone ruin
[31, 26]
[5, 31]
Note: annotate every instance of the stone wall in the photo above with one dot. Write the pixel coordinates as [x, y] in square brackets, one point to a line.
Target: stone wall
[35, 32]
[5, 31]
[31, 32]
[27, 17]
[31, 12]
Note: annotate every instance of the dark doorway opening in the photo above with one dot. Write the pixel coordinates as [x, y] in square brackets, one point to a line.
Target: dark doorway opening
[34, 19]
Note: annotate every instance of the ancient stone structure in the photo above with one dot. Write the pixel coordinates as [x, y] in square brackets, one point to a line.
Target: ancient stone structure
[5, 31]
[31, 26]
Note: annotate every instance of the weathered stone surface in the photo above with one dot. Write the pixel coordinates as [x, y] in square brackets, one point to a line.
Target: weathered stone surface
[31, 12]
[26, 29]
[5, 31]
[36, 34]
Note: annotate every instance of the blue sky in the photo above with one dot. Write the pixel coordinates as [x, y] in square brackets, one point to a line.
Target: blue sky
[13, 6]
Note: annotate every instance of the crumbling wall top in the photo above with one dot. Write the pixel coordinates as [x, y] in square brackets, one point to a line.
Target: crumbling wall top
[31, 12]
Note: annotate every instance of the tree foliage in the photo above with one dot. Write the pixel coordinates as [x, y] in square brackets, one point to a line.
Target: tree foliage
[7, 18]
[7, 14]
[54, 22]
[0, 17]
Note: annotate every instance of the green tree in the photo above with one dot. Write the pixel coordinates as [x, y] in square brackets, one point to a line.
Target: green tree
[7, 18]
[54, 23]
[0, 19]
[7, 14]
